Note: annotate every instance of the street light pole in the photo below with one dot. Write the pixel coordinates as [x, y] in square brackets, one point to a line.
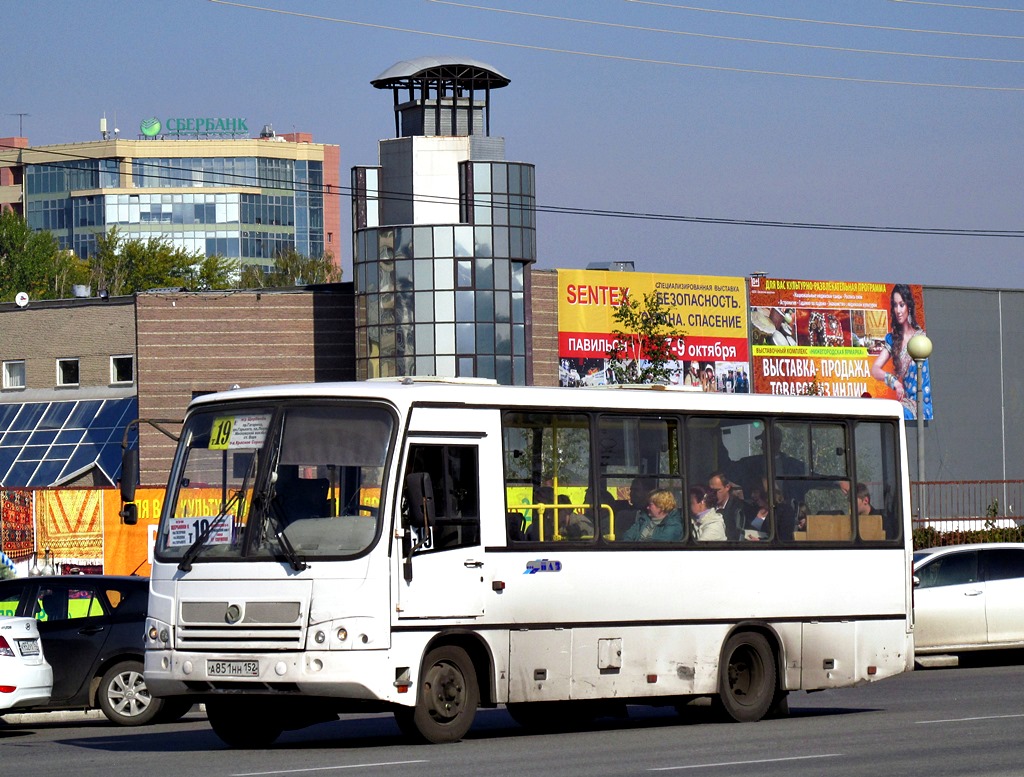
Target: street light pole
[920, 348]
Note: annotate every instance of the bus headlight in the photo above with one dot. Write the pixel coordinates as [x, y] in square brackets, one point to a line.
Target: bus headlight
[158, 635]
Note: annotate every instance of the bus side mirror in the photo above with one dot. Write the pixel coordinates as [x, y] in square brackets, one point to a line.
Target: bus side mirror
[129, 514]
[419, 496]
[129, 474]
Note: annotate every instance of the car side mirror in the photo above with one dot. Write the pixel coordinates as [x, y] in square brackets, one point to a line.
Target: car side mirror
[917, 582]
[129, 514]
[419, 496]
[419, 513]
[129, 473]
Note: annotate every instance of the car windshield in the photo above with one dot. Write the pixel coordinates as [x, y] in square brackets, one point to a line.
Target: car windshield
[277, 481]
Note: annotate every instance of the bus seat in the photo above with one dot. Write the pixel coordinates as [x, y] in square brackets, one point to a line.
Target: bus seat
[828, 528]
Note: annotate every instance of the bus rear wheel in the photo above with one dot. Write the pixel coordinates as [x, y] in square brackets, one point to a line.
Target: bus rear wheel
[748, 681]
[247, 723]
[446, 700]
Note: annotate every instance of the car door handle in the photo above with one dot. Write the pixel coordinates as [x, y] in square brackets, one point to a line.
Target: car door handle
[88, 631]
[471, 564]
[972, 593]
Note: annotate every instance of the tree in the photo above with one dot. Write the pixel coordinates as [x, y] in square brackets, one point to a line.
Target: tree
[213, 272]
[33, 262]
[643, 341]
[125, 266]
[292, 268]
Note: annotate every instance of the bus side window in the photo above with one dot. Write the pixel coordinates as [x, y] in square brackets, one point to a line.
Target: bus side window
[454, 474]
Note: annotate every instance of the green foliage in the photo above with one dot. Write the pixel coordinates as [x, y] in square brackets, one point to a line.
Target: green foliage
[34, 263]
[292, 269]
[125, 266]
[641, 351]
[929, 537]
[213, 272]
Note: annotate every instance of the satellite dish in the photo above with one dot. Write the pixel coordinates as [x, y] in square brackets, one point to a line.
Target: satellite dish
[21, 299]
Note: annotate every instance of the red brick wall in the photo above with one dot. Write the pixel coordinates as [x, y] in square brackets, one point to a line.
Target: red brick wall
[335, 241]
[544, 338]
[191, 343]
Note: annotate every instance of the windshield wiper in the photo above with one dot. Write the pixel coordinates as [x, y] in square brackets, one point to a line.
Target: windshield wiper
[297, 562]
[193, 550]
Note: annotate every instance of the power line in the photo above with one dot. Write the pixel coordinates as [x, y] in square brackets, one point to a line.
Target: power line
[566, 210]
[960, 6]
[623, 58]
[730, 38]
[956, 33]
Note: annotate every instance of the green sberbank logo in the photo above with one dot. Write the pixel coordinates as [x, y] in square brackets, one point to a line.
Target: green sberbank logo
[195, 127]
[150, 127]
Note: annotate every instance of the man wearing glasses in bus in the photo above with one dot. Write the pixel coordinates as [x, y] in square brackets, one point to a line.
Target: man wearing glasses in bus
[737, 513]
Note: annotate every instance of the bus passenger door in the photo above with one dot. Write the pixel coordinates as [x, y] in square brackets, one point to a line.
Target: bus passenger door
[445, 562]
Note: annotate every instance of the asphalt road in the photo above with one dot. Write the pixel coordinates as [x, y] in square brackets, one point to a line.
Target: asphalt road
[960, 721]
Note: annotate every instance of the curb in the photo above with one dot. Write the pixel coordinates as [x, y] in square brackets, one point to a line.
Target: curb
[57, 716]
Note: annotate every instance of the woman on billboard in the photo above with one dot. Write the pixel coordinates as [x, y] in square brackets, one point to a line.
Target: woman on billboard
[903, 379]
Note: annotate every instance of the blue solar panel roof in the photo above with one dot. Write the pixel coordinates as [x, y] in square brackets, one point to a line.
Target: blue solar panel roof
[49, 443]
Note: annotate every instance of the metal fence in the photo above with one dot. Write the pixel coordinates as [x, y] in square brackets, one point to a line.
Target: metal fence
[967, 505]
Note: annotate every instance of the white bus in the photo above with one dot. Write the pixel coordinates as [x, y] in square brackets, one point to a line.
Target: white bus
[432, 546]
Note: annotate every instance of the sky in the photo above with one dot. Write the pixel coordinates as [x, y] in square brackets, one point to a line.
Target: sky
[687, 126]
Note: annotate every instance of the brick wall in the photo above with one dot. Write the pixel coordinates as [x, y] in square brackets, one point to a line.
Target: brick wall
[89, 330]
[544, 337]
[192, 343]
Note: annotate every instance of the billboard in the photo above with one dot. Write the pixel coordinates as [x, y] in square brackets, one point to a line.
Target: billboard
[838, 338]
[708, 316]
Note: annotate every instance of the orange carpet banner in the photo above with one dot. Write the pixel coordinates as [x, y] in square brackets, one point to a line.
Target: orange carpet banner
[70, 524]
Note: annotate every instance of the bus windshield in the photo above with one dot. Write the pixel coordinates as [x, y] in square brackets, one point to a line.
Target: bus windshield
[276, 482]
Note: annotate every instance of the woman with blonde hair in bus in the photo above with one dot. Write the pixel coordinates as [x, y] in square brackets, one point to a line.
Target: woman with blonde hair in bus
[708, 523]
[663, 522]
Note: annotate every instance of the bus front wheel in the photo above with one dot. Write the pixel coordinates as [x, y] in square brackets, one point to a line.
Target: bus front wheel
[447, 698]
[747, 681]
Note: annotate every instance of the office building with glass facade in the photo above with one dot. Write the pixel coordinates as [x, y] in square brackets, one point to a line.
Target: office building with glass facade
[247, 199]
[444, 232]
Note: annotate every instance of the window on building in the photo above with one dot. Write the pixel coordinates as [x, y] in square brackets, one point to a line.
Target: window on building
[122, 369]
[14, 374]
[67, 372]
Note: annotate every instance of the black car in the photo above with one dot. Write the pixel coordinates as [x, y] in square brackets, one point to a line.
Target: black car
[92, 629]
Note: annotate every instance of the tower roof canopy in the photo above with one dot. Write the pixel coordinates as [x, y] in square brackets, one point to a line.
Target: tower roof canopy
[462, 73]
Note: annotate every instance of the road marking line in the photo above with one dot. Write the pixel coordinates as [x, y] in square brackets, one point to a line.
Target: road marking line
[966, 720]
[328, 768]
[745, 763]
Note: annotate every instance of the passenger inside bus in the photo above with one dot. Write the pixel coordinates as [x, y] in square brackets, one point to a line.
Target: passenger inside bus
[707, 521]
[737, 513]
[664, 522]
[636, 508]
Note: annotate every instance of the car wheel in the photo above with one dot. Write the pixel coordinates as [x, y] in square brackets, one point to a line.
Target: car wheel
[747, 684]
[247, 724]
[124, 697]
[446, 701]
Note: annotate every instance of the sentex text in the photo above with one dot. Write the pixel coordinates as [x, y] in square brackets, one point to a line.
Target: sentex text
[596, 295]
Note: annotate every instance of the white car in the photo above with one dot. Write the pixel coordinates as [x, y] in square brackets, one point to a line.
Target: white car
[26, 679]
[969, 597]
